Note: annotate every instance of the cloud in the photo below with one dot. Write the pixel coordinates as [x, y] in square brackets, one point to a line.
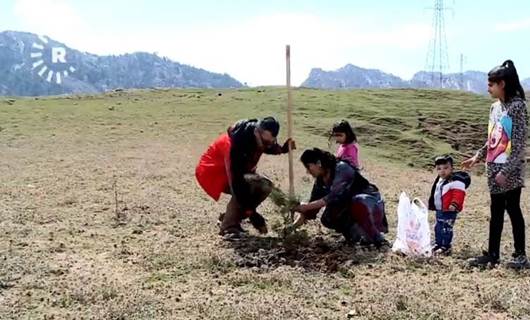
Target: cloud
[253, 50]
[250, 49]
[513, 26]
[55, 18]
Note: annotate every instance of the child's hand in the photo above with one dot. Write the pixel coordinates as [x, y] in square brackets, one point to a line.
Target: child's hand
[469, 163]
[452, 207]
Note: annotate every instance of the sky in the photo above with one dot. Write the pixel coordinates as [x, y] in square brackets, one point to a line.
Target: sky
[247, 39]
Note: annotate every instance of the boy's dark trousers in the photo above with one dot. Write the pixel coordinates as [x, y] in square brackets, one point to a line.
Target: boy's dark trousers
[443, 229]
[510, 202]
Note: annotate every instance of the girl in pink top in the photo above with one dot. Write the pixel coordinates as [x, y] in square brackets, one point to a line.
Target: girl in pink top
[348, 150]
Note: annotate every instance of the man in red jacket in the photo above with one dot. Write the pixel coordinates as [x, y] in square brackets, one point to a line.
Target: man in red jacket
[447, 199]
[229, 166]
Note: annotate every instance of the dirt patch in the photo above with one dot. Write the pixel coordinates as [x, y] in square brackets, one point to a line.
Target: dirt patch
[319, 254]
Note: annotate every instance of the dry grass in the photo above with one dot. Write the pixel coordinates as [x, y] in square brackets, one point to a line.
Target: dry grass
[64, 256]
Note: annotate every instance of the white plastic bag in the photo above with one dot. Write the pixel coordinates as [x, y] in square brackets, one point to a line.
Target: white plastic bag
[413, 232]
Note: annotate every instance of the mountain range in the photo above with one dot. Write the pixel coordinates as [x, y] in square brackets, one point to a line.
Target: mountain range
[350, 76]
[32, 65]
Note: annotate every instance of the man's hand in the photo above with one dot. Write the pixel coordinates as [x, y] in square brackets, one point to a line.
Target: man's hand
[288, 143]
[501, 179]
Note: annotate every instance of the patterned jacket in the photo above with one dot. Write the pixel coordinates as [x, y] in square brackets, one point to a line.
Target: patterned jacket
[505, 149]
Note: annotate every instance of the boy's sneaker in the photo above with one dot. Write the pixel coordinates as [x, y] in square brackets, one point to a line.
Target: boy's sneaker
[483, 261]
[519, 262]
[442, 251]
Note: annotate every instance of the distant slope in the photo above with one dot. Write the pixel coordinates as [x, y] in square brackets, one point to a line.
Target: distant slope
[353, 77]
[92, 73]
[407, 127]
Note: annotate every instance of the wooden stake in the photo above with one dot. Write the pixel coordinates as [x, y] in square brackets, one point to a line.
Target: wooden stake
[289, 119]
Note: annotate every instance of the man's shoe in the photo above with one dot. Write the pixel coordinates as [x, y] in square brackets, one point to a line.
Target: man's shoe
[233, 232]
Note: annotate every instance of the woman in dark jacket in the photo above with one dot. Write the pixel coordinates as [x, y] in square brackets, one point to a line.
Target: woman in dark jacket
[354, 207]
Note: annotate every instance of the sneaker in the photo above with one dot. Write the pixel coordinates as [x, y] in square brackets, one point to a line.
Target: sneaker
[483, 261]
[220, 219]
[233, 232]
[442, 251]
[383, 245]
[519, 262]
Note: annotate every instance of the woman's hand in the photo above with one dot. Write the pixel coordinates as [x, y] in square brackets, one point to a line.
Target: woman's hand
[308, 207]
[302, 208]
[469, 163]
[501, 179]
[300, 220]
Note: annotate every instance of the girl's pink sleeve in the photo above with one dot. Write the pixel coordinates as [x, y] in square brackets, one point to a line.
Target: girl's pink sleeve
[340, 152]
[353, 154]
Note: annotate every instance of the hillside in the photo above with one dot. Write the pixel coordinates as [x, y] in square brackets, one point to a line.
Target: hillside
[101, 217]
[29, 67]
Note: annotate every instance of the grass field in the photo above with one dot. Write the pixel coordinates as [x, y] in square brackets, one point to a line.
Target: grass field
[101, 218]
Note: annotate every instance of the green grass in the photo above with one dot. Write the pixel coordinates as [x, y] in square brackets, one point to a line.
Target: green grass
[404, 126]
[64, 256]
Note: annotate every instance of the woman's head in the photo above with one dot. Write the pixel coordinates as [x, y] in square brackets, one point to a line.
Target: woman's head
[318, 162]
[343, 133]
[503, 82]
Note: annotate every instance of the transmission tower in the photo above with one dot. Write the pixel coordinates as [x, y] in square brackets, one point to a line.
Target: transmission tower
[438, 55]
[462, 79]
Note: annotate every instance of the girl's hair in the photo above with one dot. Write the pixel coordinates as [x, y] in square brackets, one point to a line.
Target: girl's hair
[506, 72]
[315, 155]
[343, 126]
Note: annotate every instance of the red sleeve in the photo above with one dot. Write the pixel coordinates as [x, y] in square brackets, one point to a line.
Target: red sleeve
[458, 195]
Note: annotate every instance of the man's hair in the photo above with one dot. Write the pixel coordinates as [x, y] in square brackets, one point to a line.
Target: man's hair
[270, 124]
[445, 159]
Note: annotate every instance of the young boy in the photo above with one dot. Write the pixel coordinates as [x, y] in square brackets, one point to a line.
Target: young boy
[447, 199]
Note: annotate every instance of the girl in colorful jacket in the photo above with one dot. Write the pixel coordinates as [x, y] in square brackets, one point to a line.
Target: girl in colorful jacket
[504, 153]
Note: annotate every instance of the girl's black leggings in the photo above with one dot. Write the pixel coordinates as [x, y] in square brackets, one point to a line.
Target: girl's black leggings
[510, 202]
